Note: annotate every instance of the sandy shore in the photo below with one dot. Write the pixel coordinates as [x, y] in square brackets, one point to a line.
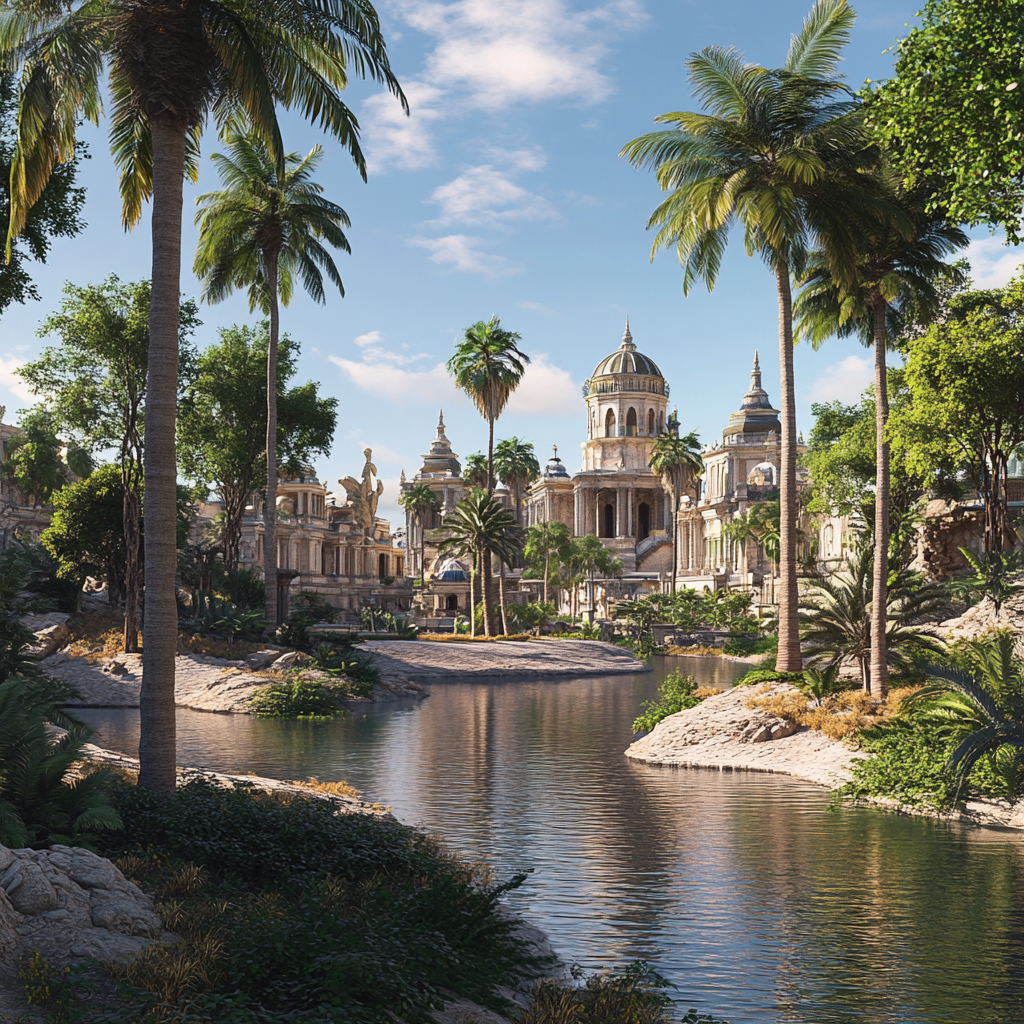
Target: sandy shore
[723, 733]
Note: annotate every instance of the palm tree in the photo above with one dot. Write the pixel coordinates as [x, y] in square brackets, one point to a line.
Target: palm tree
[488, 366]
[677, 460]
[420, 501]
[836, 620]
[168, 68]
[474, 470]
[262, 231]
[781, 153]
[899, 269]
[478, 527]
[516, 467]
[544, 540]
[979, 705]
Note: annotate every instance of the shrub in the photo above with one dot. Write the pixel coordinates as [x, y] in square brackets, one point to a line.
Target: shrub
[248, 589]
[678, 692]
[767, 674]
[298, 699]
[743, 645]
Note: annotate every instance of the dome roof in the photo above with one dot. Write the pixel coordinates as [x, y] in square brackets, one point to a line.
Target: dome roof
[626, 359]
[756, 415]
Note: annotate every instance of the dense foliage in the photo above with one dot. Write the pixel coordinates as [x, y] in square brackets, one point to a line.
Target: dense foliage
[289, 912]
[678, 692]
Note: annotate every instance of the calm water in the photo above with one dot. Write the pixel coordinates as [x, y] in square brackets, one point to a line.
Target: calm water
[744, 889]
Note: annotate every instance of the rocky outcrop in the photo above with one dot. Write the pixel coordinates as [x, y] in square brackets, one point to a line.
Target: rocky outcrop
[69, 905]
[722, 732]
[983, 618]
[50, 631]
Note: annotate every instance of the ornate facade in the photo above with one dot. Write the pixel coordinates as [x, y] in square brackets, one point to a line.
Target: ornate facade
[19, 516]
[615, 496]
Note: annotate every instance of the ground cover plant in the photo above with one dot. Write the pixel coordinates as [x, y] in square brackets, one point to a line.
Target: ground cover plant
[288, 911]
[678, 692]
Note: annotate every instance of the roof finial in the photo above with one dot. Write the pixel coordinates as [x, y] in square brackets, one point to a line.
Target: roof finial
[627, 338]
[757, 363]
[755, 375]
[440, 422]
[554, 448]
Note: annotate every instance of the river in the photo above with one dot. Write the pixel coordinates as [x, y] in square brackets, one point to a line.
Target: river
[753, 897]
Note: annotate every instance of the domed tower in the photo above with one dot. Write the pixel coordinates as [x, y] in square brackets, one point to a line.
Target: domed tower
[626, 398]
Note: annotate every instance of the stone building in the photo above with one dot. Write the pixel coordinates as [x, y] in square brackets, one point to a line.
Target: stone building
[344, 552]
[615, 496]
[19, 515]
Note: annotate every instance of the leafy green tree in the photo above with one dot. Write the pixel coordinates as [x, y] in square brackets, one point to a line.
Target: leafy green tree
[677, 460]
[168, 69]
[95, 383]
[965, 380]
[32, 458]
[55, 215]
[86, 534]
[900, 264]
[951, 115]
[479, 527]
[419, 501]
[222, 422]
[581, 560]
[781, 152]
[488, 367]
[836, 620]
[517, 467]
[544, 542]
[261, 232]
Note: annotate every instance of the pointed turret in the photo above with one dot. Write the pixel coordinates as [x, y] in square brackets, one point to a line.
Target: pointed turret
[627, 338]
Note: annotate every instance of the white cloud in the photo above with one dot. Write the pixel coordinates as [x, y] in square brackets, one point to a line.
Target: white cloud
[14, 384]
[370, 338]
[395, 140]
[993, 262]
[845, 381]
[536, 307]
[461, 252]
[546, 390]
[484, 195]
[500, 52]
[491, 54]
[378, 374]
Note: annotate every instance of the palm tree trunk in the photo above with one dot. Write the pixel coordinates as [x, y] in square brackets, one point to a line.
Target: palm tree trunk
[501, 598]
[130, 475]
[472, 596]
[879, 595]
[270, 506]
[485, 591]
[675, 534]
[789, 659]
[157, 752]
[423, 555]
[547, 572]
[490, 457]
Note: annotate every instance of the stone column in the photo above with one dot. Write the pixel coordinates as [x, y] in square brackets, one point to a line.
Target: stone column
[597, 512]
[577, 519]
[630, 526]
[620, 513]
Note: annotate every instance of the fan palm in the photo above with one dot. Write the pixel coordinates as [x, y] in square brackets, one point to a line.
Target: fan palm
[488, 366]
[479, 527]
[780, 152]
[169, 66]
[677, 460]
[474, 470]
[517, 467]
[262, 231]
[836, 620]
[420, 501]
[900, 265]
[979, 705]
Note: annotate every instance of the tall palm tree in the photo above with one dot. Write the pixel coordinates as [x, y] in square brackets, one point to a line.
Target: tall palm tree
[516, 467]
[478, 527]
[261, 232]
[781, 152]
[488, 366]
[169, 67]
[900, 266]
[677, 460]
[544, 540]
[420, 501]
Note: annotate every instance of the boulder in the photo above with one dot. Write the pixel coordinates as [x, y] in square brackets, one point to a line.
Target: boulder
[292, 659]
[260, 660]
[27, 887]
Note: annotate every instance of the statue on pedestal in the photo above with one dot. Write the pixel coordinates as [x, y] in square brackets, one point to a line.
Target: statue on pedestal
[362, 495]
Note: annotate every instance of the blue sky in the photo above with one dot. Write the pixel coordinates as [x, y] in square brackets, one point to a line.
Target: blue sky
[503, 194]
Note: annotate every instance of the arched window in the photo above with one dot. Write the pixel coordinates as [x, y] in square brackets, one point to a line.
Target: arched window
[643, 519]
[609, 520]
[451, 603]
[650, 422]
[661, 423]
[631, 422]
[609, 424]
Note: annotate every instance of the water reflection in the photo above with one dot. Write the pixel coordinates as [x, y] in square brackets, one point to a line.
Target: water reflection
[759, 903]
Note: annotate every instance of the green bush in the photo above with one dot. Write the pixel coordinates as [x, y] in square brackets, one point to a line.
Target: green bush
[743, 645]
[248, 589]
[296, 913]
[677, 694]
[298, 699]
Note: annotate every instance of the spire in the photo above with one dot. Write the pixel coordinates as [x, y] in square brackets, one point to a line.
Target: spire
[627, 338]
[440, 417]
[554, 449]
[755, 374]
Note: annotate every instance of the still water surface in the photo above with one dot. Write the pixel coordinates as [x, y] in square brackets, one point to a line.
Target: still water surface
[758, 902]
